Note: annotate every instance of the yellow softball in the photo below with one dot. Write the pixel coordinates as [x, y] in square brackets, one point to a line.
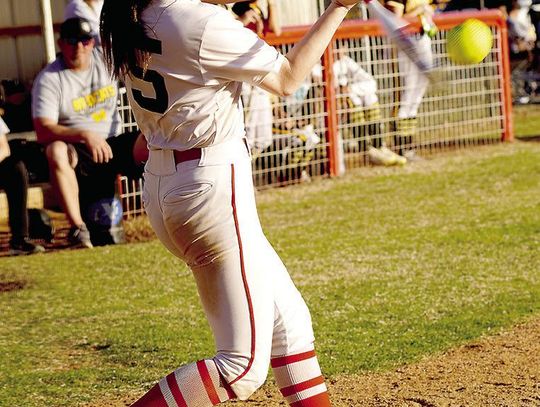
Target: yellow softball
[469, 42]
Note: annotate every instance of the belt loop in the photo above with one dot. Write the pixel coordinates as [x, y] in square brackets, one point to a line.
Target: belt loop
[202, 160]
[161, 162]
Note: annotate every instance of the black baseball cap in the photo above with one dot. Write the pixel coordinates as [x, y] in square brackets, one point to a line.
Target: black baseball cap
[76, 27]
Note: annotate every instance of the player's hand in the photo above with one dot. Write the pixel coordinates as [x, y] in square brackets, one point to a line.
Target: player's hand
[97, 146]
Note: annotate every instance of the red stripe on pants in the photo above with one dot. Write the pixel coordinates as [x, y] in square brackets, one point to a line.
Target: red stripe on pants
[175, 390]
[207, 381]
[244, 278]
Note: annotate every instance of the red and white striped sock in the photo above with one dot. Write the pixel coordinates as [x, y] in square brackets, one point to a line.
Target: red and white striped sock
[300, 380]
[195, 385]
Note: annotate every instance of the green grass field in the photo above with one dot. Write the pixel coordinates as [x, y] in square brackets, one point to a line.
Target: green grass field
[395, 263]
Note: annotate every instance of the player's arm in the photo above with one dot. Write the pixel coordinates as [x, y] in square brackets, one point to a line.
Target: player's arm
[48, 130]
[304, 55]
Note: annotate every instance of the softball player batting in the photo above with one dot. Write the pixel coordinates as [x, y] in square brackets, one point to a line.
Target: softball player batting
[183, 63]
[414, 82]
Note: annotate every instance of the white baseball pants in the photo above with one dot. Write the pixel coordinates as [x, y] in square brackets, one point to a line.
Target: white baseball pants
[204, 212]
[415, 83]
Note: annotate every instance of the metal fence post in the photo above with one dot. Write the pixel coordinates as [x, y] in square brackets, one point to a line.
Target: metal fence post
[331, 111]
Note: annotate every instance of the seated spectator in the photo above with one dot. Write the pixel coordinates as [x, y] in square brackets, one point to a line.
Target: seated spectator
[14, 180]
[522, 41]
[74, 107]
[16, 106]
[294, 126]
[87, 9]
[521, 31]
[260, 16]
[357, 94]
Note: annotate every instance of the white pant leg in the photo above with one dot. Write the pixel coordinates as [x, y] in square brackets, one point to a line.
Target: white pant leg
[414, 82]
[207, 216]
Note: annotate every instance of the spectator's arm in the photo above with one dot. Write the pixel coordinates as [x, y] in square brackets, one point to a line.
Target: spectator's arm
[252, 17]
[47, 131]
[274, 25]
[4, 147]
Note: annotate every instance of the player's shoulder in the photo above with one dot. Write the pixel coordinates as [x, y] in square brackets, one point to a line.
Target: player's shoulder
[193, 7]
[191, 16]
[210, 18]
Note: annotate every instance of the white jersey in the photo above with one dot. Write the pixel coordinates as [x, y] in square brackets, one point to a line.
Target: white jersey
[361, 86]
[190, 96]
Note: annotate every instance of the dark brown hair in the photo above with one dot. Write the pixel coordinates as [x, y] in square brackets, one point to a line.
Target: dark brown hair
[123, 35]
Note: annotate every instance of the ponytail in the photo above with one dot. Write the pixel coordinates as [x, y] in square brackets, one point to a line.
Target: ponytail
[122, 35]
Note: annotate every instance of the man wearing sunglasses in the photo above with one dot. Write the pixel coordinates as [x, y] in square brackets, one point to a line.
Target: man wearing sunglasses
[74, 109]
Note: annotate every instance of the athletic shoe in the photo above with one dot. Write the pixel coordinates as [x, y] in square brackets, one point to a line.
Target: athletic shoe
[411, 155]
[377, 157]
[79, 236]
[305, 177]
[24, 247]
[399, 160]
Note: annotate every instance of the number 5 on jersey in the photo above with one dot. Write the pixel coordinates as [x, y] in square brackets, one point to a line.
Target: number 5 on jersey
[160, 102]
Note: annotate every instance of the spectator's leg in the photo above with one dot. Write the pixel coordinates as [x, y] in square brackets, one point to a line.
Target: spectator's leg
[373, 117]
[15, 182]
[62, 160]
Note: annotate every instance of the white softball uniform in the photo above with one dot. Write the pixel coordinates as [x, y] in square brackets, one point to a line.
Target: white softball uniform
[414, 82]
[203, 210]
[362, 87]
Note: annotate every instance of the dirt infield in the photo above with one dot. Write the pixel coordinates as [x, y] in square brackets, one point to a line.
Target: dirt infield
[501, 370]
